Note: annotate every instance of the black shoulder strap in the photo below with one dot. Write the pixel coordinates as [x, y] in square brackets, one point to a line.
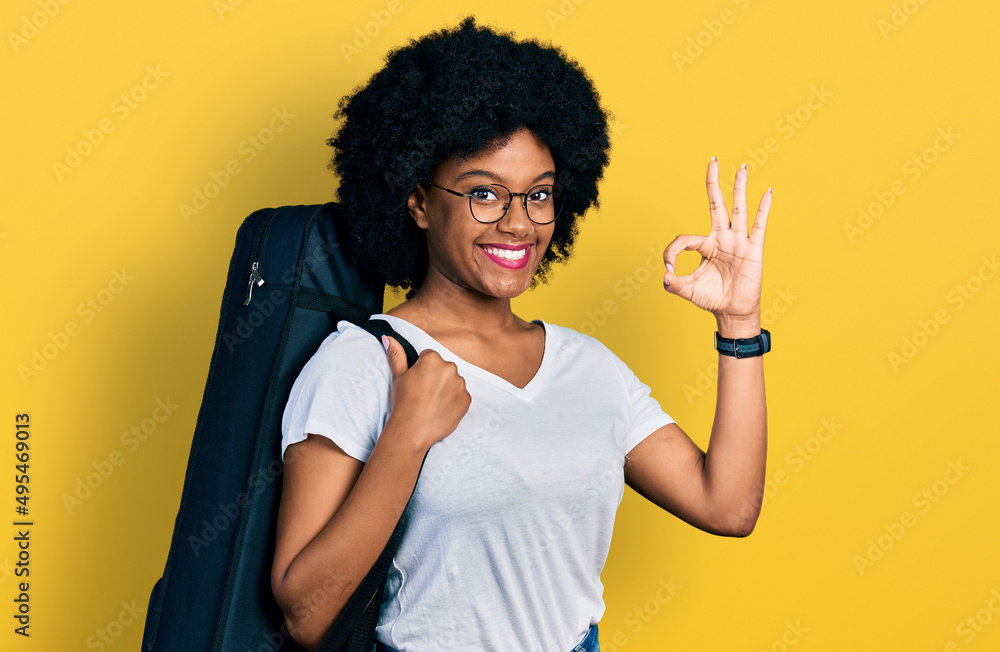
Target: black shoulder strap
[340, 309]
[380, 327]
[354, 629]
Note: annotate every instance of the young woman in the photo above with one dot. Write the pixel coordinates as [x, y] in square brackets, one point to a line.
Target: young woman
[465, 164]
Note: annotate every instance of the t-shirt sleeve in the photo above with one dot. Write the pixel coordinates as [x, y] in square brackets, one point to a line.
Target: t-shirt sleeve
[645, 414]
[344, 392]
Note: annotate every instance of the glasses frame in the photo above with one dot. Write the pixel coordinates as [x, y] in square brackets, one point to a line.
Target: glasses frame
[524, 202]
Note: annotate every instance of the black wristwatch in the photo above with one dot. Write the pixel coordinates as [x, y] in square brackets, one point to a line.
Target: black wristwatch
[746, 347]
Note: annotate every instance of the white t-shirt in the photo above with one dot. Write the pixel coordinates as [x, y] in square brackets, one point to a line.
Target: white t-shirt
[510, 523]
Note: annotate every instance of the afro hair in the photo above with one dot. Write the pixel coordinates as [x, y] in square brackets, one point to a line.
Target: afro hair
[453, 94]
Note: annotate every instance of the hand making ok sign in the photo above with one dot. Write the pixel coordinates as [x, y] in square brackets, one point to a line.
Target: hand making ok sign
[727, 282]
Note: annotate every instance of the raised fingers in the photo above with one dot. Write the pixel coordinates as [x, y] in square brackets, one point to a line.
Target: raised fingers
[716, 202]
[740, 201]
[760, 220]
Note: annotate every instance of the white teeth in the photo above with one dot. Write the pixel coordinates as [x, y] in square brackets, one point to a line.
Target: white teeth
[507, 254]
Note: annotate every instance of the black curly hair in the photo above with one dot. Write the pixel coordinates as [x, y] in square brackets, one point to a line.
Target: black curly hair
[453, 94]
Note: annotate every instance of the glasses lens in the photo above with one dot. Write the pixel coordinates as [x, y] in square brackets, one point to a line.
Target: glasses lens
[541, 204]
[489, 203]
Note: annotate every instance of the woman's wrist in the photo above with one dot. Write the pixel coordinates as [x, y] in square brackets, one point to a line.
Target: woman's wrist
[738, 327]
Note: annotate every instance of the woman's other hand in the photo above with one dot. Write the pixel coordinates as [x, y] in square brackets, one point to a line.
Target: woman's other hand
[429, 399]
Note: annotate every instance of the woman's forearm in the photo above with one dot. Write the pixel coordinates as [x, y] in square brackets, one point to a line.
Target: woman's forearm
[323, 576]
[737, 451]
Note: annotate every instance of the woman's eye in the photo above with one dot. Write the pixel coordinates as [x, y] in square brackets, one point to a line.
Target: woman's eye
[483, 194]
[540, 194]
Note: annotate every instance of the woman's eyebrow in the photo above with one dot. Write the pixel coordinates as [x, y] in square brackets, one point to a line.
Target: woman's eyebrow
[486, 173]
[478, 173]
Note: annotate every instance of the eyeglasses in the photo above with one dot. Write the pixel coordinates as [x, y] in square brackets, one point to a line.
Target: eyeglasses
[491, 202]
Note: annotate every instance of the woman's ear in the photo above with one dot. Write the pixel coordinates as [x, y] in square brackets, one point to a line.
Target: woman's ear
[416, 206]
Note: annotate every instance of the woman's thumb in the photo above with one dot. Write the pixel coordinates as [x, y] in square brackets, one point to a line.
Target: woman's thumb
[397, 357]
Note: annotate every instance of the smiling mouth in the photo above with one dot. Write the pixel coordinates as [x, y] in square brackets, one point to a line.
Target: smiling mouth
[509, 258]
[506, 254]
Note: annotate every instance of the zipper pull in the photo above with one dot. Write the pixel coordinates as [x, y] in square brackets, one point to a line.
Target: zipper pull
[255, 278]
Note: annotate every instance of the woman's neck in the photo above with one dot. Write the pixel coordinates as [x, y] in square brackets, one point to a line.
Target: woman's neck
[445, 306]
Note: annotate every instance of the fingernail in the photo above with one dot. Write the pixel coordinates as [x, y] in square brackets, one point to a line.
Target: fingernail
[670, 268]
[744, 166]
[666, 283]
[715, 158]
[770, 189]
[385, 342]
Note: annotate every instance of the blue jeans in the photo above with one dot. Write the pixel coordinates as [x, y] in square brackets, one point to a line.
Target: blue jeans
[588, 644]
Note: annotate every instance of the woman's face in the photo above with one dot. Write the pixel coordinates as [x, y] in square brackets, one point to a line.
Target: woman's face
[462, 251]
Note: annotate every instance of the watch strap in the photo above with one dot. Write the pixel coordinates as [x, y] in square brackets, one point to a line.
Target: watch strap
[746, 347]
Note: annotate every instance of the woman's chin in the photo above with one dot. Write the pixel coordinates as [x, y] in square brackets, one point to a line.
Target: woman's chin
[509, 288]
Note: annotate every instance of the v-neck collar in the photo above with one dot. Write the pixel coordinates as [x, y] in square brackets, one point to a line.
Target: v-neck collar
[421, 340]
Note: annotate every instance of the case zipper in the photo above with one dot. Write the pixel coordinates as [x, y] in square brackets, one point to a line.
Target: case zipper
[255, 279]
[260, 240]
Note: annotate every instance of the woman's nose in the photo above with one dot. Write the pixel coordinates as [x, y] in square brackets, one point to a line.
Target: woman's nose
[516, 220]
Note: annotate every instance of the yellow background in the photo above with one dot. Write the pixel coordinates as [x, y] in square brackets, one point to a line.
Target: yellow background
[844, 95]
